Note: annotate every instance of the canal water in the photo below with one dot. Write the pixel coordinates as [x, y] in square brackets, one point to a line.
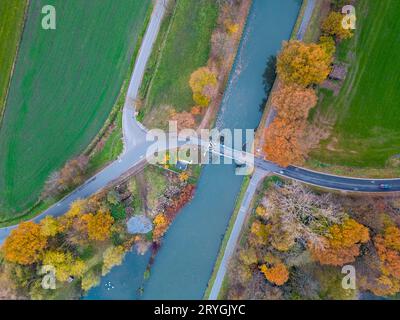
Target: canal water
[184, 264]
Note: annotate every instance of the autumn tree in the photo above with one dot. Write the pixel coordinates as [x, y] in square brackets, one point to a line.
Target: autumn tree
[388, 248]
[332, 26]
[293, 102]
[71, 175]
[259, 233]
[25, 244]
[248, 256]
[113, 256]
[282, 142]
[50, 226]
[275, 271]
[203, 83]
[98, 225]
[65, 264]
[160, 226]
[90, 280]
[303, 64]
[341, 244]
[328, 44]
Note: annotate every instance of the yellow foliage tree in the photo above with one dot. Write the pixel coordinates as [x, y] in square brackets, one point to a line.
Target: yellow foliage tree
[49, 226]
[183, 176]
[303, 64]
[89, 280]
[341, 244]
[259, 232]
[201, 82]
[231, 27]
[113, 256]
[25, 244]
[98, 225]
[160, 225]
[328, 44]
[332, 26]
[65, 264]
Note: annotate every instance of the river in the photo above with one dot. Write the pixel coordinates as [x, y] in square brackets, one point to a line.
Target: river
[184, 263]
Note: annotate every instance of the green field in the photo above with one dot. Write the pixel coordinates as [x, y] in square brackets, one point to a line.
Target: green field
[11, 25]
[366, 112]
[64, 86]
[185, 46]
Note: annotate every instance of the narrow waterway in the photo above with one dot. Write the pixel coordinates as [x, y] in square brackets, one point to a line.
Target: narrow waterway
[185, 261]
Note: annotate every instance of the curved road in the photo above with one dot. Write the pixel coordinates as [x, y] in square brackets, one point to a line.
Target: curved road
[136, 145]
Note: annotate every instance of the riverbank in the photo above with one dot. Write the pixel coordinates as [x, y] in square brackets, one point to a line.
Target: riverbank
[185, 262]
[266, 117]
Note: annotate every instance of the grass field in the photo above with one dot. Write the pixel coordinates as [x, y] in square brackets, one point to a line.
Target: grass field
[65, 84]
[185, 48]
[11, 25]
[366, 112]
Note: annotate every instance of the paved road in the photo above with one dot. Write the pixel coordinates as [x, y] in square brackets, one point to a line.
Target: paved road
[133, 132]
[306, 19]
[136, 146]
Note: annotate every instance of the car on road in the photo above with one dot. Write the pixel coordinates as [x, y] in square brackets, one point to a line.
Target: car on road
[384, 186]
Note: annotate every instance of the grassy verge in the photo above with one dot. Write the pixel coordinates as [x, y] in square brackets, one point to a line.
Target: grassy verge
[227, 236]
[185, 48]
[12, 17]
[365, 112]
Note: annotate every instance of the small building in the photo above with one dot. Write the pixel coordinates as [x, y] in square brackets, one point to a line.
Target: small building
[339, 72]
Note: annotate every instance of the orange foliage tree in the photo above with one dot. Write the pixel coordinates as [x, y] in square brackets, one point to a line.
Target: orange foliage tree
[303, 64]
[25, 244]
[282, 144]
[341, 244]
[275, 271]
[293, 101]
[388, 249]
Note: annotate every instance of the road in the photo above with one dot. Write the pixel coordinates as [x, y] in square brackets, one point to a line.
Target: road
[306, 19]
[133, 132]
[136, 145]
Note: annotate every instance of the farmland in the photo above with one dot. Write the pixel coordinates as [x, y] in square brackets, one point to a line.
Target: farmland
[11, 25]
[185, 46]
[64, 86]
[365, 114]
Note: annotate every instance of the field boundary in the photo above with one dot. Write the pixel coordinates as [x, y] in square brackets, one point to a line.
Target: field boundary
[3, 108]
